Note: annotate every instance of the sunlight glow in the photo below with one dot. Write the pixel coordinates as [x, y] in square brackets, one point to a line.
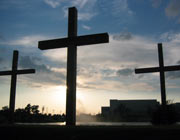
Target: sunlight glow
[59, 94]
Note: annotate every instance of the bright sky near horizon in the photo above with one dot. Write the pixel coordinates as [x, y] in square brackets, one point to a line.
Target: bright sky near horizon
[104, 71]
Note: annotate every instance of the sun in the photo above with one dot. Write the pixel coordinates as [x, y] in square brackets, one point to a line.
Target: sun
[58, 98]
[59, 94]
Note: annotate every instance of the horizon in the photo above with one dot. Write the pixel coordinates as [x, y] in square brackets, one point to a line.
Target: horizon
[104, 71]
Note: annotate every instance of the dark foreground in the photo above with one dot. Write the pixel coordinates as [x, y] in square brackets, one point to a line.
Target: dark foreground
[22, 132]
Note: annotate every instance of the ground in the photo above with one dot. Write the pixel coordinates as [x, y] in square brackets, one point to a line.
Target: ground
[22, 132]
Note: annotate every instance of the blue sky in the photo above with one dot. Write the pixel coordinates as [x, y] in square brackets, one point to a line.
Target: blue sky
[105, 71]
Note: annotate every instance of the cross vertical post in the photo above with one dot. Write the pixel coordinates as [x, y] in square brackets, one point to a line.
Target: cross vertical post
[162, 75]
[13, 85]
[71, 69]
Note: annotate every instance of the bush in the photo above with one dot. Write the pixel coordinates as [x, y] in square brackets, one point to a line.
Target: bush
[165, 115]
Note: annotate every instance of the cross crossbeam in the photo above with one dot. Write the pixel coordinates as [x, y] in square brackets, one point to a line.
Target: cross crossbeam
[14, 72]
[71, 42]
[161, 69]
[77, 41]
[157, 69]
[28, 71]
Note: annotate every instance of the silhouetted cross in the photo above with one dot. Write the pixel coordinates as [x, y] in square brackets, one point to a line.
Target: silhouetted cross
[14, 72]
[71, 42]
[160, 69]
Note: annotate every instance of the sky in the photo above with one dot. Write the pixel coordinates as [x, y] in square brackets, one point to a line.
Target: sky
[104, 71]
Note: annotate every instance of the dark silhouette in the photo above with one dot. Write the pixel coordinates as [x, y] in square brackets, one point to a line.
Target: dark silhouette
[71, 42]
[168, 115]
[14, 72]
[160, 69]
[30, 114]
[154, 114]
[129, 110]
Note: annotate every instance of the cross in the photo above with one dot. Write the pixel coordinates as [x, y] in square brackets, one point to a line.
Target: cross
[71, 42]
[14, 72]
[161, 69]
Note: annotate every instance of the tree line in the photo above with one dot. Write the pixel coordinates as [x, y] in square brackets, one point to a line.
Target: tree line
[29, 114]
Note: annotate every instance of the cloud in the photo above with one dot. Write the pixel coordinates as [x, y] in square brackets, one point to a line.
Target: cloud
[69, 3]
[119, 10]
[125, 72]
[173, 9]
[104, 66]
[25, 41]
[140, 87]
[171, 44]
[86, 16]
[27, 62]
[45, 75]
[85, 8]
[79, 3]
[88, 4]
[98, 65]
[167, 36]
[86, 27]
[123, 36]
[173, 74]
[53, 3]
[120, 7]
[120, 86]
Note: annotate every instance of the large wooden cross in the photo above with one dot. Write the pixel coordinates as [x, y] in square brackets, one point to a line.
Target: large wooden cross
[161, 69]
[14, 72]
[71, 42]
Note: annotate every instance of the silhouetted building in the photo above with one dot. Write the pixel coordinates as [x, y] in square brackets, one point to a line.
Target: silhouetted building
[129, 108]
[105, 110]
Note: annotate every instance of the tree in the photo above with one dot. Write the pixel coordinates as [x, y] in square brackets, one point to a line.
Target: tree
[34, 109]
[4, 108]
[28, 108]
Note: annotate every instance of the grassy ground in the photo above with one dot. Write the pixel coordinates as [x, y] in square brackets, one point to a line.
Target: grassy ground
[24, 132]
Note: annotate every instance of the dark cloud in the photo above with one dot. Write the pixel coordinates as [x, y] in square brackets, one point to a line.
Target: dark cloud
[27, 62]
[44, 73]
[140, 76]
[107, 72]
[173, 74]
[123, 36]
[125, 72]
[173, 8]
[5, 58]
